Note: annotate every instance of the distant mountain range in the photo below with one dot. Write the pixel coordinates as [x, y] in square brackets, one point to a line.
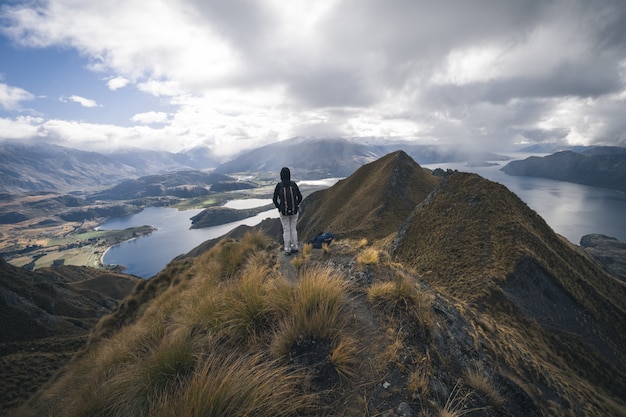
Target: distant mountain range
[311, 158]
[598, 167]
[44, 167]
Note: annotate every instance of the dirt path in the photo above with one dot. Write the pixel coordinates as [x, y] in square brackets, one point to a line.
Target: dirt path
[286, 268]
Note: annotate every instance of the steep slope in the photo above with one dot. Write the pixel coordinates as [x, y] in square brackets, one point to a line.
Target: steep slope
[481, 244]
[372, 203]
[45, 317]
[598, 167]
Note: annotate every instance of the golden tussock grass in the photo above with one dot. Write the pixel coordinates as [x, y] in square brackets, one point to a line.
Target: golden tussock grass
[307, 249]
[238, 385]
[344, 357]
[457, 403]
[403, 296]
[419, 378]
[480, 381]
[368, 256]
[298, 262]
[315, 309]
[392, 353]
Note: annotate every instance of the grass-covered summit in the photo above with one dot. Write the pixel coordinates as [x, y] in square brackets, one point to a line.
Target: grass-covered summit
[372, 203]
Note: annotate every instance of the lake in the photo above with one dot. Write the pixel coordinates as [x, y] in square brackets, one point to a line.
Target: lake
[572, 210]
[147, 255]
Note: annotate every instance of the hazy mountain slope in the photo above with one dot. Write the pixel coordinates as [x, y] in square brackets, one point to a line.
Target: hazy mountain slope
[307, 158]
[482, 244]
[55, 168]
[147, 161]
[31, 167]
[598, 167]
[372, 203]
[477, 308]
[433, 154]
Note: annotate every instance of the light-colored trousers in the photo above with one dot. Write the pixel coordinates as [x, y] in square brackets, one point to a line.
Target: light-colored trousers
[290, 234]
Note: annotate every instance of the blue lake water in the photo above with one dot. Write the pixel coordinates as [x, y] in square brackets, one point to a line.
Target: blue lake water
[571, 210]
[147, 255]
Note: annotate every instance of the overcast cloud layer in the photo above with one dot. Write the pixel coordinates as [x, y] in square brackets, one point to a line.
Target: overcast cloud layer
[236, 74]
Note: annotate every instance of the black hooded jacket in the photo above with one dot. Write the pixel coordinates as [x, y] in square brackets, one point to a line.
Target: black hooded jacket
[287, 196]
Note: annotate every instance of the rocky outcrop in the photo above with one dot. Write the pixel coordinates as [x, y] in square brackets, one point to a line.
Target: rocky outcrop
[609, 251]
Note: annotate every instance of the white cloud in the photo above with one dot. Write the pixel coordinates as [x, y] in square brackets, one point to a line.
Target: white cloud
[85, 102]
[12, 97]
[150, 117]
[117, 83]
[23, 127]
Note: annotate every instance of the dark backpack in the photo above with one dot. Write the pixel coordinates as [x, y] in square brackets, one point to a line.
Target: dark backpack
[323, 238]
[288, 200]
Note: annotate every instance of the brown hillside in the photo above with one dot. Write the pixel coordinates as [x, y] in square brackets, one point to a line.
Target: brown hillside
[372, 203]
[45, 318]
[479, 242]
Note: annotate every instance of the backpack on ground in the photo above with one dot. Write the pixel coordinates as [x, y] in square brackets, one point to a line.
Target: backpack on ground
[323, 238]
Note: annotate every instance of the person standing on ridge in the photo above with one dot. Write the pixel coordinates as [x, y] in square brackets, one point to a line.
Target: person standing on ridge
[287, 199]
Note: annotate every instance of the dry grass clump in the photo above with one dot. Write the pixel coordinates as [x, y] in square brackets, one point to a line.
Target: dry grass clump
[307, 249]
[457, 403]
[402, 296]
[394, 349]
[344, 357]
[326, 249]
[229, 255]
[369, 256]
[243, 312]
[482, 383]
[298, 262]
[237, 385]
[419, 378]
[315, 309]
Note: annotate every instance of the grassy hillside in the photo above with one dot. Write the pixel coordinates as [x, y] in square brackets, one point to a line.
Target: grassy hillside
[46, 317]
[478, 242]
[372, 203]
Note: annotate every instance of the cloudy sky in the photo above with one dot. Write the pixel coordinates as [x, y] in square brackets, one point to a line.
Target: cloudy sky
[236, 74]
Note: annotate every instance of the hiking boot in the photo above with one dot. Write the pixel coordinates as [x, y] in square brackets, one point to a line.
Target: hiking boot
[295, 250]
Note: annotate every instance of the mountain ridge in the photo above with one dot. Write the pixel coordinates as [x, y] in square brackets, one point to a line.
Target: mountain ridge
[370, 202]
